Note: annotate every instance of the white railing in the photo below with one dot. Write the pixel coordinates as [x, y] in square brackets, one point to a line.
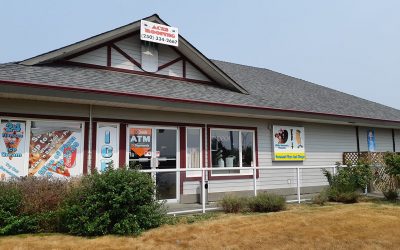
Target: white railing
[204, 173]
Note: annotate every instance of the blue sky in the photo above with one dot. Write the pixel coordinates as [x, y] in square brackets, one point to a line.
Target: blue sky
[351, 46]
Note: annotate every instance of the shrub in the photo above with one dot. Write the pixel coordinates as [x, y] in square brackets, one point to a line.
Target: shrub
[40, 194]
[233, 204]
[392, 161]
[320, 198]
[263, 202]
[30, 204]
[267, 202]
[390, 194]
[11, 220]
[348, 181]
[115, 202]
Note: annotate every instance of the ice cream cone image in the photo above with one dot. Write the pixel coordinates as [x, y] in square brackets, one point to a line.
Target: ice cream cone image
[12, 140]
[298, 139]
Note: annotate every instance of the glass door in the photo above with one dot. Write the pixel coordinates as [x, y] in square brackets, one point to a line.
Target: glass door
[156, 148]
[166, 146]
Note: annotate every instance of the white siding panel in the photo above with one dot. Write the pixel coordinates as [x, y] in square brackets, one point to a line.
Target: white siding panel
[172, 70]
[95, 57]
[193, 73]
[119, 61]
[397, 139]
[166, 54]
[131, 46]
[384, 141]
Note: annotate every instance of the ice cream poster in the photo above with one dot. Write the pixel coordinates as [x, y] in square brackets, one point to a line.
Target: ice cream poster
[12, 149]
[288, 143]
[107, 146]
[371, 140]
[55, 151]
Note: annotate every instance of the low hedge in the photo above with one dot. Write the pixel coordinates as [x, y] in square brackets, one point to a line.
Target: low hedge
[263, 202]
[115, 202]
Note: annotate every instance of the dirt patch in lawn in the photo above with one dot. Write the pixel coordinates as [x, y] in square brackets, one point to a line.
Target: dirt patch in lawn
[357, 226]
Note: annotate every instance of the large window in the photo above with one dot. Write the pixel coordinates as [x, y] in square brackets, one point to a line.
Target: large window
[193, 151]
[232, 149]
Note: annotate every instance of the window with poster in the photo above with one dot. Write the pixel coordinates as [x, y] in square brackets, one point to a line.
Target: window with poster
[55, 148]
[107, 148]
[13, 148]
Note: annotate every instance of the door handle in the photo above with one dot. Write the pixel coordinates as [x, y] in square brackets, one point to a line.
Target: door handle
[162, 159]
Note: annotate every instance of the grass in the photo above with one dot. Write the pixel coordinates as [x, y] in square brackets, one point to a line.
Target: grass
[364, 225]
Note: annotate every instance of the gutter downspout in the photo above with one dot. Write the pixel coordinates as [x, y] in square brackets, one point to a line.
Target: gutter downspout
[394, 140]
[358, 142]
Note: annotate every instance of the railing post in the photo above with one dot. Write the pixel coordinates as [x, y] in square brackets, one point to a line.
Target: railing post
[298, 185]
[203, 191]
[255, 181]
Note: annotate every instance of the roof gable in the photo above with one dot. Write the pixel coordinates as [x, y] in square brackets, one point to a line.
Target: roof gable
[126, 54]
[203, 68]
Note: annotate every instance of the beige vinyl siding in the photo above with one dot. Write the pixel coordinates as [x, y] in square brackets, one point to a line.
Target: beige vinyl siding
[95, 57]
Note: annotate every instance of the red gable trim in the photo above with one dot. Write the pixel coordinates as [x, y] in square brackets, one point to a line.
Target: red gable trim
[181, 100]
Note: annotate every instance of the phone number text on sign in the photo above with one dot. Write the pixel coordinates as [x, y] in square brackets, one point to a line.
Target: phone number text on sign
[158, 33]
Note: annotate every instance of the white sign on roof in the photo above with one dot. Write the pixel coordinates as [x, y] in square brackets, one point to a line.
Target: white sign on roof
[158, 33]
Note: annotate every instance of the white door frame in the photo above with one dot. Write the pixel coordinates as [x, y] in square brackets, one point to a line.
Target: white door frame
[153, 151]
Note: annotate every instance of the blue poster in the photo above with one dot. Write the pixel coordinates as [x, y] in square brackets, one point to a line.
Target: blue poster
[371, 140]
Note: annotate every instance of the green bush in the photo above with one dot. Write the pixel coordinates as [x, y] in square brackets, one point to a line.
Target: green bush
[392, 161]
[348, 182]
[114, 202]
[234, 204]
[11, 219]
[267, 202]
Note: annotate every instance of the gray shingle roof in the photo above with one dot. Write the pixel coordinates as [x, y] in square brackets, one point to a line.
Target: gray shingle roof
[267, 88]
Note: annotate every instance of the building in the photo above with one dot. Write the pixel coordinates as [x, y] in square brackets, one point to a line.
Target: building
[115, 98]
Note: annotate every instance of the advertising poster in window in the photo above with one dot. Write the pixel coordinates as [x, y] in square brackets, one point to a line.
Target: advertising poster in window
[107, 146]
[12, 149]
[55, 149]
[288, 143]
[371, 140]
[140, 142]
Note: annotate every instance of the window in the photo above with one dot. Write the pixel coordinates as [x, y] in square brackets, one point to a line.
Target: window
[193, 151]
[232, 149]
[107, 151]
[55, 148]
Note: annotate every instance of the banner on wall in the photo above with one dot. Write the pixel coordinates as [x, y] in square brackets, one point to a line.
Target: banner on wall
[288, 143]
[371, 140]
[107, 146]
[55, 149]
[12, 149]
[140, 142]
